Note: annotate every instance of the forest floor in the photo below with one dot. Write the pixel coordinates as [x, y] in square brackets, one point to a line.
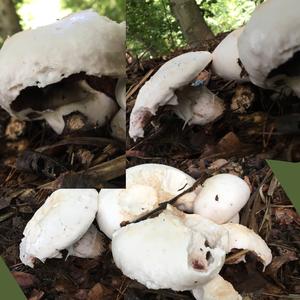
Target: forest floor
[237, 143]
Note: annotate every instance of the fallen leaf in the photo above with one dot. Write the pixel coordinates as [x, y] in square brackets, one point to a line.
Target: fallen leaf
[25, 280]
[96, 293]
[36, 295]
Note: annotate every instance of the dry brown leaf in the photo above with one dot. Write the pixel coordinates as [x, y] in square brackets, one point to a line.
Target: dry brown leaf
[25, 280]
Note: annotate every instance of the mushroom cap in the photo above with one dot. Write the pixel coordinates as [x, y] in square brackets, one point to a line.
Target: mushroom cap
[226, 56]
[216, 289]
[221, 197]
[270, 39]
[198, 105]
[235, 219]
[159, 90]
[118, 125]
[147, 185]
[241, 237]
[90, 245]
[81, 42]
[61, 221]
[170, 251]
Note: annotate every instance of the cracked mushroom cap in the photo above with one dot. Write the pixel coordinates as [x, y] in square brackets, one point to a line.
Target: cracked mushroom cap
[216, 289]
[173, 250]
[226, 56]
[147, 185]
[269, 46]
[160, 89]
[222, 197]
[241, 237]
[36, 63]
[61, 221]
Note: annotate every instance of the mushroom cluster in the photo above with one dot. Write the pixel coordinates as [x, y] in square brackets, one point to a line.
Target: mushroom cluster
[72, 65]
[250, 53]
[183, 248]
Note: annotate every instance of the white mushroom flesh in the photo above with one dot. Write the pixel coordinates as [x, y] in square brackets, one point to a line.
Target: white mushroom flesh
[226, 56]
[147, 186]
[221, 197]
[160, 89]
[61, 221]
[90, 245]
[118, 125]
[241, 237]
[216, 289]
[269, 46]
[121, 93]
[96, 106]
[170, 251]
[198, 105]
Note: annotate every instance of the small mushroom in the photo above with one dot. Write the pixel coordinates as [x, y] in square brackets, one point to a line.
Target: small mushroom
[90, 245]
[269, 46]
[221, 197]
[70, 65]
[118, 125]
[147, 186]
[216, 289]
[198, 105]
[174, 250]
[160, 89]
[225, 61]
[60, 222]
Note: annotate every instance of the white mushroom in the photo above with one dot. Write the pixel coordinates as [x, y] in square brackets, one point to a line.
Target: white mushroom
[46, 72]
[121, 93]
[147, 186]
[90, 245]
[241, 237]
[198, 105]
[174, 250]
[225, 61]
[221, 197]
[216, 289]
[96, 106]
[118, 125]
[269, 46]
[235, 219]
[160, 89]
[61, 221]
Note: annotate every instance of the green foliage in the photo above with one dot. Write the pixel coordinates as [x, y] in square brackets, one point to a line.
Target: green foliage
[151, 28]
[114, 9]
[225, 15]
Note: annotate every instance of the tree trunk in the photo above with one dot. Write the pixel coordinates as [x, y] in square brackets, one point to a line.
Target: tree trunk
[9, 20]
[192, 23]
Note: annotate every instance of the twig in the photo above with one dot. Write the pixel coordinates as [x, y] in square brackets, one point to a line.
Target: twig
[163, 205]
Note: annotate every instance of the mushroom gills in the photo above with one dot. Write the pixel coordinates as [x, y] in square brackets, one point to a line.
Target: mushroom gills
[60, 99]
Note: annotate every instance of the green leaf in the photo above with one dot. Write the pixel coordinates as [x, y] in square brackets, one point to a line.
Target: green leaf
[288, 174]
[9, 289]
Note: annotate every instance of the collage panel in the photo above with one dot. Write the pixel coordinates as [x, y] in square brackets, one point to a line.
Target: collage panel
[138, 145]
[209, 93]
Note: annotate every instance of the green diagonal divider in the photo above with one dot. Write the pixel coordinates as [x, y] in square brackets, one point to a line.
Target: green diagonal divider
[9, 289]
[288, 174]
